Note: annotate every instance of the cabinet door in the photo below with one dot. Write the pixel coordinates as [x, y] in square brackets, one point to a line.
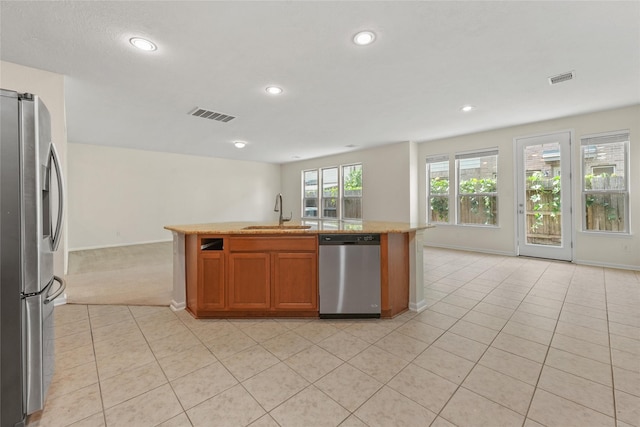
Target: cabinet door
[249, 277]
[211, 282]
[295, 278]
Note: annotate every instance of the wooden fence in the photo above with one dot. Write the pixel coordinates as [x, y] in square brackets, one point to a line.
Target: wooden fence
[605, 212]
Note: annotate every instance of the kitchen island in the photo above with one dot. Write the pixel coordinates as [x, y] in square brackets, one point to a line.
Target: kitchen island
[236, 269]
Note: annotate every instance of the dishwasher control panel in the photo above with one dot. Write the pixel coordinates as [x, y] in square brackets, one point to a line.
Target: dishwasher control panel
[349, 239]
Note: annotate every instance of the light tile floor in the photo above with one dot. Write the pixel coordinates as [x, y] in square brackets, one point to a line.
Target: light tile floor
[504, 342]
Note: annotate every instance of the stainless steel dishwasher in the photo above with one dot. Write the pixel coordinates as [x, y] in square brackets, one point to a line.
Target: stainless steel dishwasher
[349, 275]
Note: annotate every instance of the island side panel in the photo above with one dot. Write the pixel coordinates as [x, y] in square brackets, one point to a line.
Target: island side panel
[399, 272]
[385, 303]
[394, 254]
[191, 272]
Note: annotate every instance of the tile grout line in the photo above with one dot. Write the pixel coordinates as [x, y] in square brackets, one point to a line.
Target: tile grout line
[346, 362]
[579, 376]
[155, 358]
[219, 360]
[613, 384]
[95, 357]
[258, 343]
[544, 361]
[439, 413]
[313, 383]
[484, 352]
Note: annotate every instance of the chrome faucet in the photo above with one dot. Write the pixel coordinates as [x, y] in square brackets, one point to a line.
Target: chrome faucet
[278, 208]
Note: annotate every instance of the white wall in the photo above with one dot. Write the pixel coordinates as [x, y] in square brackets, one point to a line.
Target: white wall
[122, 196]
[414, 187]
[386, 181]
[589, 248]
[50, 88]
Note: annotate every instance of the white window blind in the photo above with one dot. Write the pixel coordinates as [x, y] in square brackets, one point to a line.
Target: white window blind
[622, 136]
[438, 159]
[475, 154]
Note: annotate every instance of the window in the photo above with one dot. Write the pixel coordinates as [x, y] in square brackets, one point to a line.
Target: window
[600, 170]
[352, 192]
[477, 175]
[605, 190]
[438, 189]
[330, 193]
[334, 192]
[310, 194]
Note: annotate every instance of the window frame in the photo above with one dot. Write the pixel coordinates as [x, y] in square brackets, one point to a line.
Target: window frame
[433, 160]
[339, 199]
[587, 152]
[495, 194]
[304, 193]
[344, 197]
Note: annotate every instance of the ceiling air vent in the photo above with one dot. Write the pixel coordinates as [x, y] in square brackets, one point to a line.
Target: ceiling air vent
[554, 80]
[212, 115]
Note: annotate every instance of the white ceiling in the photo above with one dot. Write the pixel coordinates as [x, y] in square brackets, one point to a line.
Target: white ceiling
[430, 58]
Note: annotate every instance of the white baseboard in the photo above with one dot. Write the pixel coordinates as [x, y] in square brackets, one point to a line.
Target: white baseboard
[607, 265]
[467, 249]
[61, 300]
[177, 306]
[119, 245]
[418, 307]
[575, 261]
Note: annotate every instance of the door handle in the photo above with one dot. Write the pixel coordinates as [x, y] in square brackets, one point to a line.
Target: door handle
[55, 241]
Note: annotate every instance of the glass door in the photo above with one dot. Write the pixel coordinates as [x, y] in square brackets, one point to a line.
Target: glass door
[544, 196]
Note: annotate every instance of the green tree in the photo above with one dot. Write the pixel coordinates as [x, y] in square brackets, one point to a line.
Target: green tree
[545, 195]
[354, 180]
[439, 204]
[486, 205]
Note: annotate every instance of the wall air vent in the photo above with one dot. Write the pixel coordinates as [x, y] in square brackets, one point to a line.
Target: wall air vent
[212, 115]
[554, 80]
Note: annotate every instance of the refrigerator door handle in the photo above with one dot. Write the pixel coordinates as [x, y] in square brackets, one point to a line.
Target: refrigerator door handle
[56, 163]
[61, 288]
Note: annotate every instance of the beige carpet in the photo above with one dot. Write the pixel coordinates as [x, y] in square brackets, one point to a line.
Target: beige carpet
[128, 275]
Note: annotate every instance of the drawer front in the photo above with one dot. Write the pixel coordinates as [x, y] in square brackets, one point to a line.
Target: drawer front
[273, 243]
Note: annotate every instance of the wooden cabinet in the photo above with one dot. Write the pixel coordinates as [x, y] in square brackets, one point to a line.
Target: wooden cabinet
[286, 279]
[394, 273]
[249, 281]
[252, 276]
[294, 281]
[211, 271]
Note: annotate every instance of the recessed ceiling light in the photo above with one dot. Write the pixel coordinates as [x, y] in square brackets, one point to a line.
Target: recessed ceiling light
[364, 38]
[274, 90]
[240, 144]
[143, 44]
[467, 108]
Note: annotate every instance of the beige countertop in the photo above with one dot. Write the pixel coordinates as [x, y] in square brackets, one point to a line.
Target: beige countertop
[315, 227]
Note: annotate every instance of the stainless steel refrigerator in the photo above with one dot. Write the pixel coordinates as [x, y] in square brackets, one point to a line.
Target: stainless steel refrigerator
[30, 232]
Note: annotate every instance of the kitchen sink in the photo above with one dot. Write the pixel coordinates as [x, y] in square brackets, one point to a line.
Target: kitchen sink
[277, 227]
